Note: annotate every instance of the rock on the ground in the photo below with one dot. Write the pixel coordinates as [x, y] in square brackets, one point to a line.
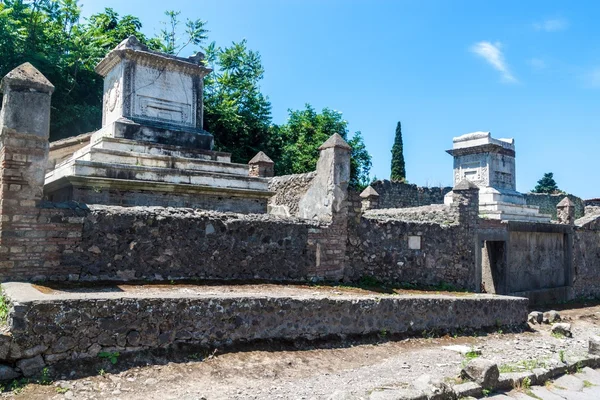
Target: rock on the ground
[551, 317]
[594, 345]
[432, 387]
[562, 329]
[484, 372]
[8, 373]
[535, 317]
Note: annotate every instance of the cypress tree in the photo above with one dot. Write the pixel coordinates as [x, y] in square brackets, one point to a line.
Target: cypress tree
[398, 167]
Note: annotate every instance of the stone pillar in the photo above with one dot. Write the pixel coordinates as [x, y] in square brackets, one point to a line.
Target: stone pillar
[326, 201]
[370, 198]
[465, 200]
[24, 128]
[565, 212]
[261, 166]
[328, 191]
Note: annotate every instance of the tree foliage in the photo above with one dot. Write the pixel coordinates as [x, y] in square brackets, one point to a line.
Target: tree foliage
[398, 167]
[236, 111]
[49, 34]
[547, 185]
[305, 131]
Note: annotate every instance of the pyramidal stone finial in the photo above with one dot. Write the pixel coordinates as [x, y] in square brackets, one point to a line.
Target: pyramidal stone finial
[465, 184]
[335, 140]
[369, 192]
[566, 202]
[261, 157]
[132, 43]
[27, 76]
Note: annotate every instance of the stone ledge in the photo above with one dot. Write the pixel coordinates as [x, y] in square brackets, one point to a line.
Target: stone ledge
[78, 323]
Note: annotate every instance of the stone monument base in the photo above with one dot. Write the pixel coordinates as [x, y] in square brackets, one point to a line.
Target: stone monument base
[117, 171]
[505, 205]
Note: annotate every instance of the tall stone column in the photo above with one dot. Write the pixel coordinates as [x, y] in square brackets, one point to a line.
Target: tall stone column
[326, 201]
[24, 129]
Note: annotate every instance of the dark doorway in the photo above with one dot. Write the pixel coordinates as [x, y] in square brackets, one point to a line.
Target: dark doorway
[493, 264]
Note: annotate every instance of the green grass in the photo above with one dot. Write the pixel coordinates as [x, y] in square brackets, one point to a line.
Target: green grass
[3, 309]
[587, 384]
[523, 365]
[112, 357]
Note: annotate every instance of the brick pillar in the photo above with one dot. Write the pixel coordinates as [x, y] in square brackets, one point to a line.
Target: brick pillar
[369, 198]
[465, 201]
[565, 212]
[24, 128]
[261, 166]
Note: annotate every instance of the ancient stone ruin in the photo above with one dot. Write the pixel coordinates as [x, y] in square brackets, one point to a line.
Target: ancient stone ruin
[490, 164]
[151, 149]
[146, 199]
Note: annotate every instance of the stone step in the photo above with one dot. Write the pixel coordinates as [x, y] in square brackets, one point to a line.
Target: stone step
[508, 216]
[79, 167]
[110, 156]
[110, 143]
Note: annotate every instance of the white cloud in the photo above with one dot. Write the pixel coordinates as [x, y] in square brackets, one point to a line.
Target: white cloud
[491, 53]
[551, 25]
[537, 63]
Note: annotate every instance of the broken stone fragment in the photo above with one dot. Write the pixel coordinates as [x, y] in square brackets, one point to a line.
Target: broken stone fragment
[562, 329]
[535, 317]
[484, 372]
[551, 317]
[434, 388]
[594, 345]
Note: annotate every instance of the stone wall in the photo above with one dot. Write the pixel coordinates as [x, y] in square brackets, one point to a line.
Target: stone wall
[289, 189]
[547, 203]
[380, 248]
[401, 195]
[78, 324]
[586, 271]
[586, 255]
[408, 246]
[536, 261]
[592, 202]
[132, 243]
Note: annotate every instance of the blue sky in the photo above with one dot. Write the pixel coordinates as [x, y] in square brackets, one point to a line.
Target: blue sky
[523, 69]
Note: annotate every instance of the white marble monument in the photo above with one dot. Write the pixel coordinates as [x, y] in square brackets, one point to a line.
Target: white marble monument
[490, 164]
[152, 149]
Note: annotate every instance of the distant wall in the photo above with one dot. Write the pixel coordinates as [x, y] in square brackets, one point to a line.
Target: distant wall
[401, 195]
[547, 203]
[288, 189]
[592, 203]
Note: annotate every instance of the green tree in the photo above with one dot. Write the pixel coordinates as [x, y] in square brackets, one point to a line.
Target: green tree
[398, 167]
[168, 40]
[305, 131]
[546, 185]
[50, 35]
[235, 110]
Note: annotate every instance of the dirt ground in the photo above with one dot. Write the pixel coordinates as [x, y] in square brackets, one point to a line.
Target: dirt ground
[352, 371]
